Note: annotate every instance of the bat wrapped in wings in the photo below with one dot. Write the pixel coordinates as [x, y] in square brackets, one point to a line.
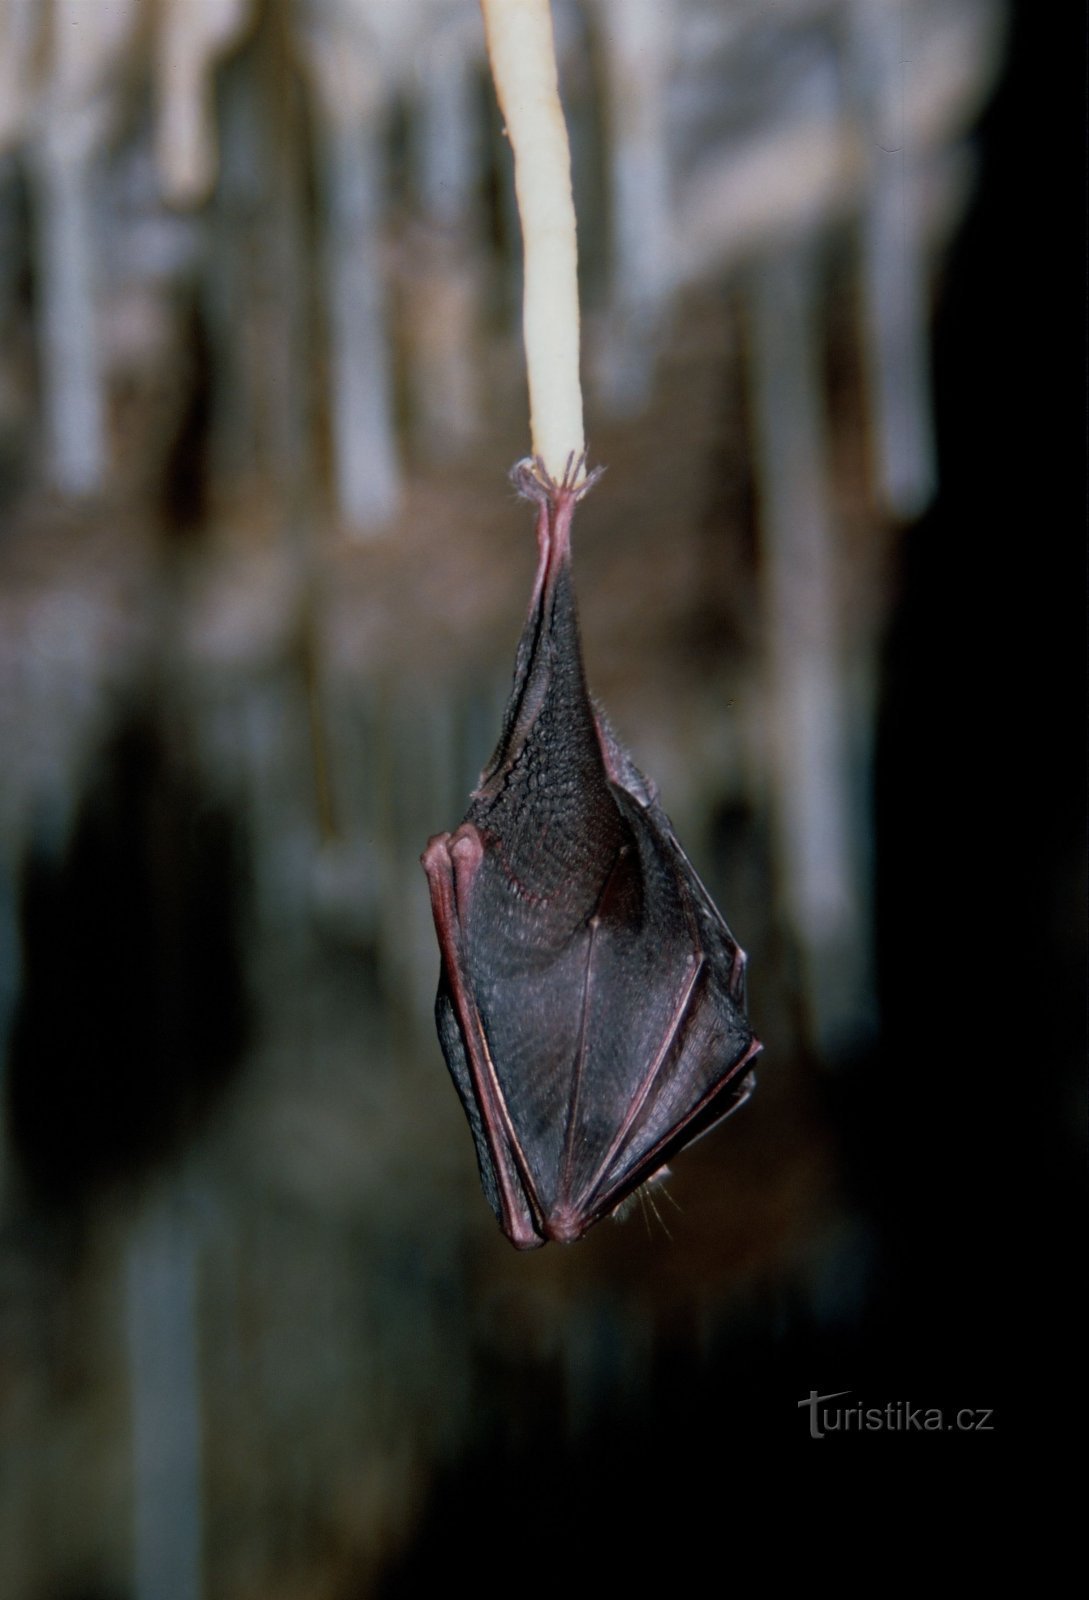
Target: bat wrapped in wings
[591, 1002]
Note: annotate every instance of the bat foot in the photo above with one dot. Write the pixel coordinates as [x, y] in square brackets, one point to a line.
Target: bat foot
[533, 480]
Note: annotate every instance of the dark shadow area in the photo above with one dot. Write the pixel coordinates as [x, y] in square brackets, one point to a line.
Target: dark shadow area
[969, 1139]
[132, 1009]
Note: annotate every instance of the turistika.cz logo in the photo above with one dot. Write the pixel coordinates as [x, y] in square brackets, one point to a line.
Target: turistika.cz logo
[896, 1417]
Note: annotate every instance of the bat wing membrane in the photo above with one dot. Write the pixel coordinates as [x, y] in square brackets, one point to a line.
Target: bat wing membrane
[668, 1048]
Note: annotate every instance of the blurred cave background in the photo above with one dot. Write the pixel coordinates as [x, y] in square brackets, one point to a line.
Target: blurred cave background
[261, 578]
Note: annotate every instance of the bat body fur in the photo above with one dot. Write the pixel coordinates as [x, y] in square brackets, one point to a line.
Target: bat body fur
[591, 1002]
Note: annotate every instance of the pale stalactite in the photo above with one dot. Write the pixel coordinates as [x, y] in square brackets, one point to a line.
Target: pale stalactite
[189, 41]
[443, 280]
[877, 155]
[637, 64]
[793, 166]
[523, 61]
[894, 274]
[73, 113]
[356, 52]
[20, 25]
[808, 754]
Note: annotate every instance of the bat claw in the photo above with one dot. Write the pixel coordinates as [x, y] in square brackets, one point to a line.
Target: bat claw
[533, 480]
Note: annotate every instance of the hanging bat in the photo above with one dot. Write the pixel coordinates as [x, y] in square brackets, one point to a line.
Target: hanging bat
[591, 1002]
